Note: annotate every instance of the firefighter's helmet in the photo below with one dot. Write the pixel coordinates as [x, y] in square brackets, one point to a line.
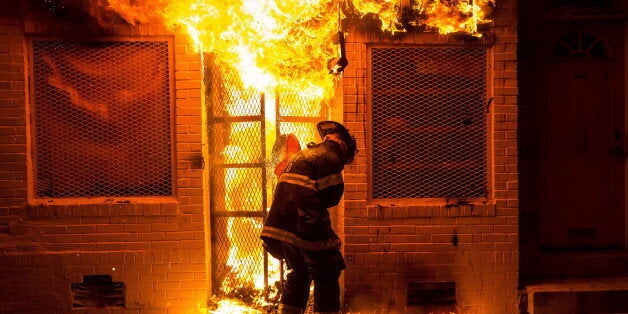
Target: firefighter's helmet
[329, 127]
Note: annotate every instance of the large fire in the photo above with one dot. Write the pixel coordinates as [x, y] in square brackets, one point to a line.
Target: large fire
[288, 45]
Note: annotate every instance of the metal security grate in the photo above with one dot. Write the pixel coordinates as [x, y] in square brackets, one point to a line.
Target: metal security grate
[299, 116]
[244, 128]
[238, 184]
[101, 118]
[428, 122]
[239, 257]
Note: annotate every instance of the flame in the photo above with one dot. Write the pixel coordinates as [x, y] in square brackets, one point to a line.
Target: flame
[230, 306]
[288, 43]
[454, 16]
[387, 11]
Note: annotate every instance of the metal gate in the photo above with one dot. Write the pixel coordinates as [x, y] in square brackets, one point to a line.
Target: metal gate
[243, 127]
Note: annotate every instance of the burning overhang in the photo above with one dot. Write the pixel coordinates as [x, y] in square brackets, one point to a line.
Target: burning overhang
[275, 43]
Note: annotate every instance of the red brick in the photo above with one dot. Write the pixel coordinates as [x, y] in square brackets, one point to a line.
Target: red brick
[96, 237]
[139, 228]
[179, 235]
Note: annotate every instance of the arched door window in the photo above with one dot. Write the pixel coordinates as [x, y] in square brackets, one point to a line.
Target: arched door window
[580, 44]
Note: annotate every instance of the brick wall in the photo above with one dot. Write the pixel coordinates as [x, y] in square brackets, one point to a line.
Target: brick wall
[155, 246]
[387, 246]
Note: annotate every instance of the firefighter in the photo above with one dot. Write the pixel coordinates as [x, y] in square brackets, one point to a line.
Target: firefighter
[298, 228]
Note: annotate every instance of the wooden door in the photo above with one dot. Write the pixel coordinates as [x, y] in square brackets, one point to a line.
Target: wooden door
[583, 130]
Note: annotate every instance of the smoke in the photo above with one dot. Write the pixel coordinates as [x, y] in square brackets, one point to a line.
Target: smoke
[78, 16]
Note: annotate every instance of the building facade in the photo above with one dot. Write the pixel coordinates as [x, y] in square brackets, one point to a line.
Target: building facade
[112, 181]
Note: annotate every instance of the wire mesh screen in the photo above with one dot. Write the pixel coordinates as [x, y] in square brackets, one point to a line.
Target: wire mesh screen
[237, 142]
[293, 104]
[305, 132]
[428, 122]
[242, 188]
[298, 115]
[101, 118]
[238, 253]
[238, 185]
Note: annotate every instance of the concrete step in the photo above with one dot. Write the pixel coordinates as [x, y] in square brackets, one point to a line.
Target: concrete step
[575, 296]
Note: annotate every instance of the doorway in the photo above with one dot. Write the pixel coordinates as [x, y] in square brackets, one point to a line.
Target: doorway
[244, 127]
[583, 140]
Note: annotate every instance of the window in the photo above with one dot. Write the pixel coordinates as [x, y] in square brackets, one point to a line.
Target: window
[580, 44]
[101, 119]
[428, 110]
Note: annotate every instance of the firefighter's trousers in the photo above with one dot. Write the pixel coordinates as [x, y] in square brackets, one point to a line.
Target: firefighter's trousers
[322, 267]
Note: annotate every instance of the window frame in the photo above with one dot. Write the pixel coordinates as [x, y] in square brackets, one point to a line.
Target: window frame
[31, 170]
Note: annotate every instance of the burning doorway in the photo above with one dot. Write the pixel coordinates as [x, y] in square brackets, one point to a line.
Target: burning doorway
[243, 128]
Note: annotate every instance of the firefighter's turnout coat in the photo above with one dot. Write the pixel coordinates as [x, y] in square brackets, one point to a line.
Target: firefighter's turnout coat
[310, 184]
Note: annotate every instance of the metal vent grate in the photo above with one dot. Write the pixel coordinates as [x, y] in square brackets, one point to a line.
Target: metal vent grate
[428, 122]
[97, 291]
[431, 293]
[102, 118]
